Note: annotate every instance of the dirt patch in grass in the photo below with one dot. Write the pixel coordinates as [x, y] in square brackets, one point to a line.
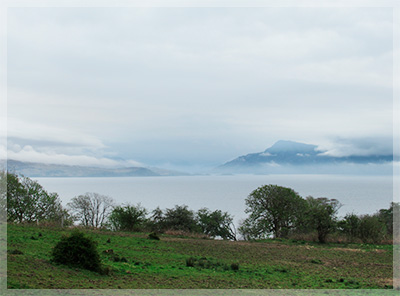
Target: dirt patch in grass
[387, 281]
[379, 251]
[348, 250]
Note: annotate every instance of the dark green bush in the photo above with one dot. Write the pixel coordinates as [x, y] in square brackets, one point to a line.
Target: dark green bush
[281, 269]
[210, 263]
[78, 251]
[316, 261]
[106, 271]
[371, 230]
[15, 252]
[154, 236]
[190, 262]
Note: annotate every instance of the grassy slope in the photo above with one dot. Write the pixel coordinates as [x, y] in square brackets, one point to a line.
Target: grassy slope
[162, 264]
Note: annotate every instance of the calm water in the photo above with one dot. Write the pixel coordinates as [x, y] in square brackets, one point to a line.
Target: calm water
[358, 194]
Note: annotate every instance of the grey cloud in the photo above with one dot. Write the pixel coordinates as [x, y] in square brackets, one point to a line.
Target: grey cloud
[31, 154]
[203, 84]
[360, 146]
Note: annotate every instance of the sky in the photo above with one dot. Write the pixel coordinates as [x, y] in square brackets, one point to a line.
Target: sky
[192, 88]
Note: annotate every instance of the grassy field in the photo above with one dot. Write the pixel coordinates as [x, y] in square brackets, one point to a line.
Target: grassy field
[136, 262]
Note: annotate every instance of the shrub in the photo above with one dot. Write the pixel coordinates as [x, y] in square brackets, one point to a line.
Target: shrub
[116, 258]
[281, 269]
[210, 263]
[316, 261]
[235, 266]
[78, 251]
[350, 226]
[154, 236]
[371, 230]
[123, 259]
[15, 252]
[190, 262]
[106, 271]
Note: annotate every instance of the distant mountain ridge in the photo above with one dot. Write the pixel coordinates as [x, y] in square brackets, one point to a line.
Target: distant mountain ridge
[283, 157]
[289, 155]
[30, 169]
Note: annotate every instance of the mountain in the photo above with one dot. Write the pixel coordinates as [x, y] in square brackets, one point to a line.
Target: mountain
[30, 169]
[294, 157]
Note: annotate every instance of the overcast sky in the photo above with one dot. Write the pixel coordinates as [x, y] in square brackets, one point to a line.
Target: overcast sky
[179, 87]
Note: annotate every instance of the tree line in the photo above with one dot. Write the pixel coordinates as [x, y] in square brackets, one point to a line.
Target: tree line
[283, 213]
[273, 211]
[96, 210]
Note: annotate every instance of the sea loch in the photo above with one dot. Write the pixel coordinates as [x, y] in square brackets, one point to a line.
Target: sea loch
[358, 194]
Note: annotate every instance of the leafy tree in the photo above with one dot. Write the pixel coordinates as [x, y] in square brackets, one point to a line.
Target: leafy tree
[130, 218]
[91, 209]
[350, 226]
[27, 201]
[321, 215]
[157, 220]
[17, 200]
[216, 223]
[386, 216]
[273, 210]
[180, 218]
[371, 229]
[250, 231]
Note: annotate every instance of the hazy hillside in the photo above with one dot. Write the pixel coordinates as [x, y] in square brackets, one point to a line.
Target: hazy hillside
[294, 157]
[55, 170]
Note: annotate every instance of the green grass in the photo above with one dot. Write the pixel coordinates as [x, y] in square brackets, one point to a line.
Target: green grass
[136, 262]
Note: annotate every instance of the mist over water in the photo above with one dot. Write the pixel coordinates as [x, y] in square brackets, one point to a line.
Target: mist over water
[358, 194]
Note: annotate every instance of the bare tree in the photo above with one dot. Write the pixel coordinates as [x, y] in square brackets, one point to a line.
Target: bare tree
[91, 209]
